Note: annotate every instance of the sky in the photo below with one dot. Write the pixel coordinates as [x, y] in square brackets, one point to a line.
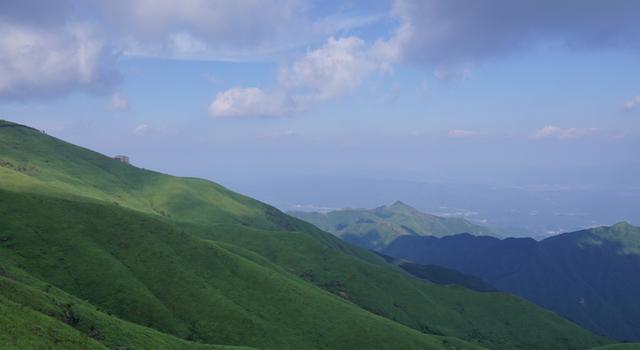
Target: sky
[266, 96]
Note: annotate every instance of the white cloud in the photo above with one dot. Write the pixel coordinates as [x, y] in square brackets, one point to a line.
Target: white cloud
[119, 102]
[336, 68]
[552, 131]
[40, 63]
[547, 131]
[461, 133]
[45, 51]
[141, 129]
[631, 104]
[241, 102]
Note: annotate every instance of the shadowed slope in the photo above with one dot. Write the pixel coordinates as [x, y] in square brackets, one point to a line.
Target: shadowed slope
[590, 276]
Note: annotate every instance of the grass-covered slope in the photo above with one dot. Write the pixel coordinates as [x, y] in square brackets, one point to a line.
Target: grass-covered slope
[151, 273]
[39, 163]
[38, 315]
[193, 260]
[376, 228]
[590, 276]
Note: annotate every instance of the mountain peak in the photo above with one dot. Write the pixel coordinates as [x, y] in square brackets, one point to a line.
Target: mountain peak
[622, 225]
[399, 204]
[625, 228]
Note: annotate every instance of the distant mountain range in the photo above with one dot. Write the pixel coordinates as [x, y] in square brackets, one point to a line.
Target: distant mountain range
[376, 228]
[591, 276]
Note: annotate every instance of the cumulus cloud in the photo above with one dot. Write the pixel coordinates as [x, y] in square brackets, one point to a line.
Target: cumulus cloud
[52, 48]
[336, 68]
[119, 102]
[451, 33]
[631, 104]
[240, 102]
[552, 131]
[39, 63]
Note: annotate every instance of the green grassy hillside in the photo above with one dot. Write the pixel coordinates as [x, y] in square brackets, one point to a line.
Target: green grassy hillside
[38, 315]
[193, 260]
[151, 273]
[376, 228]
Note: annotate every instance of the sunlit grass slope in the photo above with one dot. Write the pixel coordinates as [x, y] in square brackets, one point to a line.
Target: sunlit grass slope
[193, 260]
[38, 315]
[151, 273]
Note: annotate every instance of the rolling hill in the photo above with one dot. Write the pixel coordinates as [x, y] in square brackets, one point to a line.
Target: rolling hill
[95, 253]
[376, 228]
[591, 276]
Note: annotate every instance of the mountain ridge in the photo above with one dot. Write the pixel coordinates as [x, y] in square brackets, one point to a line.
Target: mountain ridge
[189, 259]
[589, 276]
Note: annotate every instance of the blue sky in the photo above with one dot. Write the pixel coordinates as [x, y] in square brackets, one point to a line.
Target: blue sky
[489, 91]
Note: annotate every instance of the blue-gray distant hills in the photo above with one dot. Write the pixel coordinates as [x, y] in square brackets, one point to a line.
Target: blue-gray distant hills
[591, 276]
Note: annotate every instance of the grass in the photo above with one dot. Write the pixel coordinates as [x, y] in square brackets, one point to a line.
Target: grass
[151, 273]
[36, 315]
[187, 259]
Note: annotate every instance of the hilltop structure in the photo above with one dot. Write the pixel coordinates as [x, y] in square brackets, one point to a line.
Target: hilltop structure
[121, 158]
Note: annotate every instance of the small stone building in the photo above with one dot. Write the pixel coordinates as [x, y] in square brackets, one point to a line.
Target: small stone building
[123, 159]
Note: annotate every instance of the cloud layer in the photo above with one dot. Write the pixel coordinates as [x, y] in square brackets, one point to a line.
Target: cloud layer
[50, 49]
[201, 29]
[457, 32]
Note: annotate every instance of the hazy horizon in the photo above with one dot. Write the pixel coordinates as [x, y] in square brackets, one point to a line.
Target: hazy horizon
[439, 104]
